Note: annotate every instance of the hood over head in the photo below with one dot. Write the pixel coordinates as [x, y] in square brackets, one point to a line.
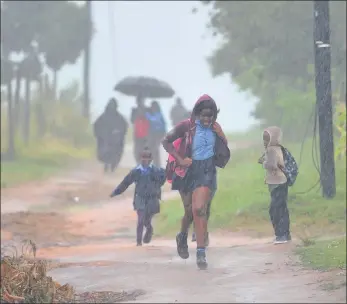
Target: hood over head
[199, 102]
[111, 106]
[275, 134]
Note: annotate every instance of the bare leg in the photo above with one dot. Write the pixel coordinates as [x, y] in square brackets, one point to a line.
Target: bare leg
[181, 238]
[187, 218]
[201, 197]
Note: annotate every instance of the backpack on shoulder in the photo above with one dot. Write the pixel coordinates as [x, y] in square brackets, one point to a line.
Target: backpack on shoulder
[290, 169]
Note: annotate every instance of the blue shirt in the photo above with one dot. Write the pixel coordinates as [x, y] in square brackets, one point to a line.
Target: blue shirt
[156, 121]
[203, 142]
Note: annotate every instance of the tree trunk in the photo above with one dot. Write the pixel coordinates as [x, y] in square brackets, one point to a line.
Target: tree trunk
[86, 104]
[11, 152]
[40, 115]
[55, 84]
[17, 110]
[26, 124]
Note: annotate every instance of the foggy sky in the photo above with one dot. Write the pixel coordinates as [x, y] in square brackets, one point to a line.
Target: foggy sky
[161, 39]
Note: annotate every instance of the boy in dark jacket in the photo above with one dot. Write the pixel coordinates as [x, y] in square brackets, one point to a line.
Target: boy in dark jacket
[148, 180]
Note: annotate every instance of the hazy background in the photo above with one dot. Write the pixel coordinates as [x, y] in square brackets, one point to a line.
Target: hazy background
[161, 39]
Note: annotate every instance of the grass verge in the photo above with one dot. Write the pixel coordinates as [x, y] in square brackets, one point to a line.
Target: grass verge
[324, 255]
[40, 160]
[242, 199]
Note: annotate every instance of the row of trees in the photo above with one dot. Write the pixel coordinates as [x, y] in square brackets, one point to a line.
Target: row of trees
[267, 48]
[43, 34]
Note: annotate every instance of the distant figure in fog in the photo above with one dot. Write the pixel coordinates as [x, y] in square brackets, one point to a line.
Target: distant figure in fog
[178, 112]
[141, 127]
[157, 130]
[110, 130]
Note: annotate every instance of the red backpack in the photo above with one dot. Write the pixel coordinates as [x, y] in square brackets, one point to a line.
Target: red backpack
[141, 127]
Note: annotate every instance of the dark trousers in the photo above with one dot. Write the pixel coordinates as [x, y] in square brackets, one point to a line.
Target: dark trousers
[144, 219]
[279, 213]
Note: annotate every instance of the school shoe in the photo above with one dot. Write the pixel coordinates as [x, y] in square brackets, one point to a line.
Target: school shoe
[148, 235]
[280, 240]
[182, 245]
[201, 259]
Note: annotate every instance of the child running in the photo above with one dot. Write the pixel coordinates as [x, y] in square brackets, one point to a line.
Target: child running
[148, 180]
[203, 147]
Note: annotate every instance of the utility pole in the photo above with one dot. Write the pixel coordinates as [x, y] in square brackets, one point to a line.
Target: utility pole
[323, 97]
[86, 64]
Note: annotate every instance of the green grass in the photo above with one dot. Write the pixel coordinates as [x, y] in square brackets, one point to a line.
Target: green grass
[41, 160]
[324, 255]
[242, 199]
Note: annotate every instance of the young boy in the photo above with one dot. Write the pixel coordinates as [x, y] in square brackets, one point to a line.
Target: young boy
[273, 163]
[148, 180]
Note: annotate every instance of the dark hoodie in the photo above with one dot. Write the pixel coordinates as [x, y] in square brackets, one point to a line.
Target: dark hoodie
[110, 129]
[186, 131]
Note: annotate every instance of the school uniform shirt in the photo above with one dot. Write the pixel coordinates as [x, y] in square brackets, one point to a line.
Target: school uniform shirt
[148, 182]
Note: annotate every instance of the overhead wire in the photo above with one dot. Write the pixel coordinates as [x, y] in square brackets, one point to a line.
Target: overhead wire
[314, 150]
[112, 35]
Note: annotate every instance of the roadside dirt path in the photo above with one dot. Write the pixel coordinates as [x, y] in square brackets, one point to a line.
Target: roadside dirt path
[92, 241]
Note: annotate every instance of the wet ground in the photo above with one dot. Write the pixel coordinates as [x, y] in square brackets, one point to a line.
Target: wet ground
[92, 242]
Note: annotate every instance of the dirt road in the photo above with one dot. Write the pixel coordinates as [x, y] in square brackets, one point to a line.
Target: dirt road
[94, 242]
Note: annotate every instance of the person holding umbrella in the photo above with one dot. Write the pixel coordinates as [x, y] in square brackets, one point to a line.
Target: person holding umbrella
[141, 127]
[142, 87]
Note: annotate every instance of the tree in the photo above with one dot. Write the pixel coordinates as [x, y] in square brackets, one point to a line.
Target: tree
[64, 37]
[268, 49]
[6, 79]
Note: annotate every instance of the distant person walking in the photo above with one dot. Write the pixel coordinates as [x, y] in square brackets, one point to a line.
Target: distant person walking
[157, 130]
[202, 148]
[178, 112]
[148, 180]
[141, 127]
[110, 129]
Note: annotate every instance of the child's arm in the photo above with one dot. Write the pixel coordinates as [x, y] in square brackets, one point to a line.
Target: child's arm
[161, 176]
[127, 181]
[271, 160]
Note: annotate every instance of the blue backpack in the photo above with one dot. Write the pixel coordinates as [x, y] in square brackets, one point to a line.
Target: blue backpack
[291, 169]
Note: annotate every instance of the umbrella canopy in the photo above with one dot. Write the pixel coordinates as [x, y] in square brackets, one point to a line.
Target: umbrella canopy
[147, 87]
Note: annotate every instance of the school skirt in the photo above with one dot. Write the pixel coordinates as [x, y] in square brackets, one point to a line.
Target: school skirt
[202, 173]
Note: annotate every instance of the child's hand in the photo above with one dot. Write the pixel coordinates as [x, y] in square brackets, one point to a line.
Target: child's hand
[186, 162]
[261, 160]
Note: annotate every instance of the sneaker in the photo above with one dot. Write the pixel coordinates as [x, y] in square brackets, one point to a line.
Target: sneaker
[281, 240]
[201, 259]
[148, 235]
[193, 237]
[182, 245]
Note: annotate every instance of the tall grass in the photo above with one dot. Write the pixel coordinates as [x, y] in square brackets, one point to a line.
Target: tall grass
[242, 199]
[68, 138]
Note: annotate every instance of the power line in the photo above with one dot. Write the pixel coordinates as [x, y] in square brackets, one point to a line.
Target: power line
[112, 35]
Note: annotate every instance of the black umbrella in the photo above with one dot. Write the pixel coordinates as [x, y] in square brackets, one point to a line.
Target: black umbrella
[147, 87]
